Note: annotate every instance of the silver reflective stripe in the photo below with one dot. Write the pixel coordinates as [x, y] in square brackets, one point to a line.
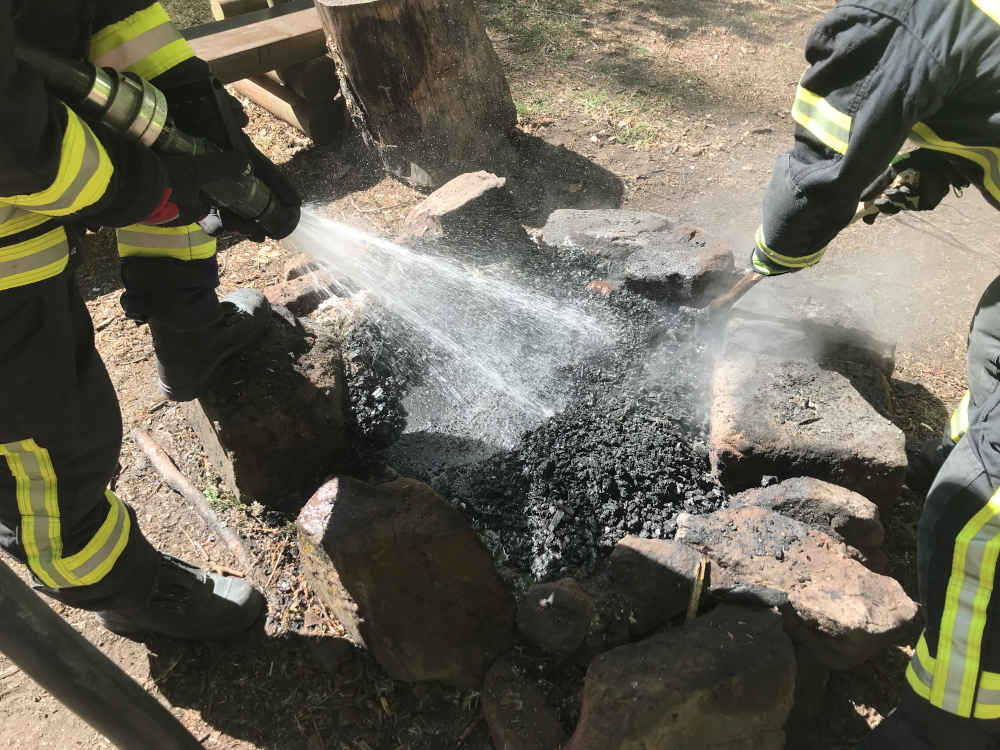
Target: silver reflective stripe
[989, 155]
[8, 212]
[969, 609]
[922, 674]
[806, 113]
[88, 168]
[32, 486]
[179, 241]
[107, 549]
[134, 50]
[988, 696]
[35, 260]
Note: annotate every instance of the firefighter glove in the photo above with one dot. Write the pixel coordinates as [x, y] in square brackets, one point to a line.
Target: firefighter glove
[917, 181]
[184, 201]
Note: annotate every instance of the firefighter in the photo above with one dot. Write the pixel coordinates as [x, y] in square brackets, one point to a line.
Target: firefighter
[883, 72]
[60, 424]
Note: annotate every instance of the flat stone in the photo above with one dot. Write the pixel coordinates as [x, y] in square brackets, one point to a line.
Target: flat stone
[407, 578]
[556, 617]
[682, 266]
[725, 680]
[655, 577]
[789, 418]
[838, 609]
[605, 233]
[517, 713]
[272, 419]
[794, 317]
[822, 505]
[472, 205]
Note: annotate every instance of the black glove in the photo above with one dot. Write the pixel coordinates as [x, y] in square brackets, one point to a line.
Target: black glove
[917, 181]
[183, 201]
[202, 107]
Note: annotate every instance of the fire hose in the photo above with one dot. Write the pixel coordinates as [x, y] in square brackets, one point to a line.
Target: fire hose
[87, 682]
[136, 109]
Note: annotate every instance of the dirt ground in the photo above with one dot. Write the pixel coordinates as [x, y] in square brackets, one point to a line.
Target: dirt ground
[686, 102]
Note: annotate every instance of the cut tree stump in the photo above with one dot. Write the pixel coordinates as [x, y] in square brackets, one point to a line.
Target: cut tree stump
[422, 83]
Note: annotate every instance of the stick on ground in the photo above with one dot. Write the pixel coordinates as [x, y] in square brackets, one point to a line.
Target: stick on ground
[182, 485]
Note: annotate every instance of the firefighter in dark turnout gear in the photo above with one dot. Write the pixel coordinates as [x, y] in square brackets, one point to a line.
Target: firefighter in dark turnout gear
[60, 424]
[884, 72]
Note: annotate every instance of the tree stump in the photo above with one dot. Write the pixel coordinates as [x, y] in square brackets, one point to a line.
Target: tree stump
[422, 83]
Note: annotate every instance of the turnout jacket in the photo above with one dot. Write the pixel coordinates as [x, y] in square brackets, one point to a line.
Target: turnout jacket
[57, 170]
[883, 72]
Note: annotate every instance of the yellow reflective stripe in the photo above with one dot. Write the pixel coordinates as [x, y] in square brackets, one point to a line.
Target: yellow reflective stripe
[181, 243]
[82, 178]
[14, 220]
[41, 532]
[989, 7]
[786, 260]
[39, 526]
[831, 126]
[987, 157]
[970, 587]
[93, 562]
[34, 260]
[145, 43]
[960, 418]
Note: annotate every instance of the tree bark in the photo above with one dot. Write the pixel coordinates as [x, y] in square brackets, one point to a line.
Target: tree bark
[422, 83]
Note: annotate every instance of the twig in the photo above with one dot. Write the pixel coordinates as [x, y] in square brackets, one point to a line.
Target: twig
[182, 485]
[104, 324]
[9, 672]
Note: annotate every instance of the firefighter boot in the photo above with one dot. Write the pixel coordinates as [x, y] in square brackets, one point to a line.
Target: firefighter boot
[187, 358]
[186, 602]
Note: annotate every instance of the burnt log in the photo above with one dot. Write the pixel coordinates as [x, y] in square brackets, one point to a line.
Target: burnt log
[422, 83]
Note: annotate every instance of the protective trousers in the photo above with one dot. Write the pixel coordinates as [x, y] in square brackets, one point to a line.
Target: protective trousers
[952, 693]
[61, 430]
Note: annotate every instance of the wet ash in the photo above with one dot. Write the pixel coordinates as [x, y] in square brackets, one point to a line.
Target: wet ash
[561, 500]
[625, 457]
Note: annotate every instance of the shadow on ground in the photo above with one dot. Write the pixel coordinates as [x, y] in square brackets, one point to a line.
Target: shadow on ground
[312, 693]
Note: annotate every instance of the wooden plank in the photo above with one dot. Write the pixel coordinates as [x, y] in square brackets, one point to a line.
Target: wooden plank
[256, 48]
[322, 121]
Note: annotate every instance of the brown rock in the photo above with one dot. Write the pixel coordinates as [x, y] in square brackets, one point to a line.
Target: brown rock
[811, 679]
[555, 617]
[655, 578]
[272, 419]
[298, 265]
[822, 505]
[301, 295]
[839, 609]
[517, 714]
[798, 318]
[724, 681]
[474, 204]
[790, 418]
[407, 578]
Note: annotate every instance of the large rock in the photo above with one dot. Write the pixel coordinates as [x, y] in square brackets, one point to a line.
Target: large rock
[556, 617]
[407, 578]
[272, 419]
[790, 418]
[610, 234]
[723, 681]
[795, 317]
[517, 713]
[645, 251]
[681, 266]
[840, 610]
[822, 505]
[655, 577]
